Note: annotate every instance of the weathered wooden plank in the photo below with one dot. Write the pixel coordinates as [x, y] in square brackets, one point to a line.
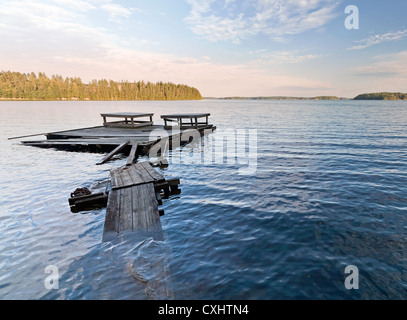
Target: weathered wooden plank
[132, 154]
[115, 151]
[126, 210]
[129, 176]
[150, 209]
[136, 175]
[111, 226]
[142, 208]
[153, 218]
[150, 212]
[136, 196]
[126, 177]
[152, 172]
[116, 178]
[131, 209]
[144, 173]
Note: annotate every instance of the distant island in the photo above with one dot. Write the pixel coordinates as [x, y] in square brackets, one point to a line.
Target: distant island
[382, 96]
[365, 96]
[280, 98]
[30, 87]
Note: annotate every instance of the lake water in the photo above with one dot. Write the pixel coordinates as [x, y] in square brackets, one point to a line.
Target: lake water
[329, 191]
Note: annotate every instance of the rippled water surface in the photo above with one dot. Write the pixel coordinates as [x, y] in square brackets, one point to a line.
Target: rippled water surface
[330, 190]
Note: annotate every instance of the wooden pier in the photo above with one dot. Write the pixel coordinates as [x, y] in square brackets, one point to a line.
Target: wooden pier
[136, 189]
[126, 136]
[133, 200]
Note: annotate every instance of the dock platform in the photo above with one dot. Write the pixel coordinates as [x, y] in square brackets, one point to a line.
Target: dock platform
[101, 139]
[133, 201]
[136, 189]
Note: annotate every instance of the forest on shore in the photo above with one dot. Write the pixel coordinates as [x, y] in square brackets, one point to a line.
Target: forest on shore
[30, 86]
[382, 96]
[365, 96]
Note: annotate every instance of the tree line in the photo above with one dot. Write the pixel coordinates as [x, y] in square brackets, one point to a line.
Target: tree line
[382, 96]
[30, 86]
[282, 98]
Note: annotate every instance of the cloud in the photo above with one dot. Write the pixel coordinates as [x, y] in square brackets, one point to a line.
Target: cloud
[379, 38]
[238, 20]
[386, 72]
[211, 78]
[78, 5]
[36, 16]
[58, 39]
[386, 65]
[284, 57]
[116, 12]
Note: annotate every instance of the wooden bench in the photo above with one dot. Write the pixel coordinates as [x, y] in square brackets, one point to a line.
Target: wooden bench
[128, 119]
[186, 121]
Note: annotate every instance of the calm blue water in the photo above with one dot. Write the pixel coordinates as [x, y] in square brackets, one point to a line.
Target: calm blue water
[330, 191]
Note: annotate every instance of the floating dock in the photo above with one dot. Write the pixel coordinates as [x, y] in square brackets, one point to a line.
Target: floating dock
[136, 188]
[124, 134]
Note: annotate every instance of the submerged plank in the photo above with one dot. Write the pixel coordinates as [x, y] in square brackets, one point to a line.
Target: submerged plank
[152, 212]
[115, 151]
[111, 227]
[132, 154]
[132, 209]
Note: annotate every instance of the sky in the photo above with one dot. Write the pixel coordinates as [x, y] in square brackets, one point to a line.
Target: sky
[224, 48]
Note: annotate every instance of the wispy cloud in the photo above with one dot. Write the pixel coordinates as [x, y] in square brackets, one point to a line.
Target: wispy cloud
[379, 38]
[387, 72]
[58, 39]
[284, 57]
[273, 18]
[78, 5]
[116, 12]
[386, 65]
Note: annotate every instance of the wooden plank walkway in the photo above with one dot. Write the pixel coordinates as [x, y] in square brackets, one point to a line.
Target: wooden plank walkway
[139, 173]
[132, 211]
[132, 204]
